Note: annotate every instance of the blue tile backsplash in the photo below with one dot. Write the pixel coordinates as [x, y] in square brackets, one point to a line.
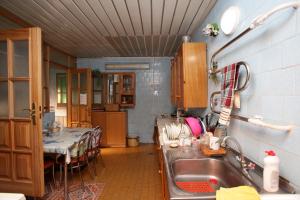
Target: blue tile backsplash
[272, 52]
[152, 92]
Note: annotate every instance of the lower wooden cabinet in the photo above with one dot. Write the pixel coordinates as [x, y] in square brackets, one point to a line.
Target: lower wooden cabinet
[114, 126]
[162, 171]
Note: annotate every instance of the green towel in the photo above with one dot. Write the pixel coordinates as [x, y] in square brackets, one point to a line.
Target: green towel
[237, 193]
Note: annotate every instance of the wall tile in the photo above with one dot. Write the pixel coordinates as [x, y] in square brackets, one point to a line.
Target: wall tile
[272, 107]
[292, 110]
[297, 80]
[290, 51]
[281, 82]
[272, 52]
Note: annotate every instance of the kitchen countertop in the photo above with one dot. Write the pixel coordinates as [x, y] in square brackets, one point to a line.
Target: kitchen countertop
[170, 154]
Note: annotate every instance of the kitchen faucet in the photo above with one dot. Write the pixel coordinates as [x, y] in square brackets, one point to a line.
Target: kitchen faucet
[244, 165]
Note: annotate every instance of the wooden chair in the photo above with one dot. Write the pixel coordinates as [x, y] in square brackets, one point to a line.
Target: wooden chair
[78, 154]
[94, 150]
[48, 164]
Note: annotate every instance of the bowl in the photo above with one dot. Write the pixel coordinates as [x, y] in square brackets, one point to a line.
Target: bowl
[194, 125]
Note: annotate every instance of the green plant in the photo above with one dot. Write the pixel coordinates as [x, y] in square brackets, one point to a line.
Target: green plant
[211, 29]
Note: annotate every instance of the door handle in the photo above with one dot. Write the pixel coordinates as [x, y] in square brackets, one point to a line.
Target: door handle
[32, 113]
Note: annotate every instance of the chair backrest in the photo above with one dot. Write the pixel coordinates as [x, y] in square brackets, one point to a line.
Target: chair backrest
[79, 148]
[96, 137]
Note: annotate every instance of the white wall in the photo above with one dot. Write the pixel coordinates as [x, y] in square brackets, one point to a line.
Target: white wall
[272, 52]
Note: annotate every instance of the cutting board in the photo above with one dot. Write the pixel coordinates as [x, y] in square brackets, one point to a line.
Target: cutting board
[209, 152]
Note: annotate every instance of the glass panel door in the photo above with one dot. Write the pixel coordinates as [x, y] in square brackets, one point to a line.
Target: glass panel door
[74, 87]
[20, 58]
[21, 99]
[4, 81]
[3, 99]
[20, 79]
[3, 59]
[83, 88]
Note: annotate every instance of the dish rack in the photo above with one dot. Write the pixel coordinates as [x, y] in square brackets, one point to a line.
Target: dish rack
[172, 132]
[213, 69]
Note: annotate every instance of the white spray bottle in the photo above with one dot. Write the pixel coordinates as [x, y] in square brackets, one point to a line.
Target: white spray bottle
[271, 172]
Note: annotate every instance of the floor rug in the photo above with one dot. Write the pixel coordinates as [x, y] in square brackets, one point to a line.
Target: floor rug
[92, 192]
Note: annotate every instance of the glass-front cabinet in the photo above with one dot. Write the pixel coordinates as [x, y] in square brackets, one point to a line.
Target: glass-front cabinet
[128, 90]
[113, 89]
[97, 87]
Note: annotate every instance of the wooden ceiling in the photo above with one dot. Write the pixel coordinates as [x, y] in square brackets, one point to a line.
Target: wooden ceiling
[100, 28]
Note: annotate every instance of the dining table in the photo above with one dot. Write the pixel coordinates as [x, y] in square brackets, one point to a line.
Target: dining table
[60, 143]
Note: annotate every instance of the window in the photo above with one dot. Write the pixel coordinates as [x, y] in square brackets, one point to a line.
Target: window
[61, 89]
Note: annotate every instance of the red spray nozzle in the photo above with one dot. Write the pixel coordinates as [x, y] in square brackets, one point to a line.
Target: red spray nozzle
[270, 153]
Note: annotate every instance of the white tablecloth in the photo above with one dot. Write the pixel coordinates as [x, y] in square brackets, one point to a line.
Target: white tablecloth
[12, 196]
[60, 142]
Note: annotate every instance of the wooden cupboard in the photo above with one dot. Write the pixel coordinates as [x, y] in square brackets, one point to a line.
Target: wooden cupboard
[189, 76]
[114, 127]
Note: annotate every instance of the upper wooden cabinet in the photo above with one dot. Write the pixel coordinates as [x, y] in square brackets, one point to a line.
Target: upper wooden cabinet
[189, 76]
[116, 88]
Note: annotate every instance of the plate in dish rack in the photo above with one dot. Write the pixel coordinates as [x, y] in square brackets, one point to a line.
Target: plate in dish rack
[173, 145]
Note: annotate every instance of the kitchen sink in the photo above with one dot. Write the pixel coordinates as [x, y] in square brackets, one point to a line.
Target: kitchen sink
[206, 175]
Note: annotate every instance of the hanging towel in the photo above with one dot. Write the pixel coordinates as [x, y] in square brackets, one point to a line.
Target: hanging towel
[229, 81]
[237, 193]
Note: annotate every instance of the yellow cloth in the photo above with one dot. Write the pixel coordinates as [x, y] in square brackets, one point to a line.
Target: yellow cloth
[237, 193]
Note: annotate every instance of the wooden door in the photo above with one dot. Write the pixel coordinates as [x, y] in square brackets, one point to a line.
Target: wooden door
[80, 98]
[21, 146]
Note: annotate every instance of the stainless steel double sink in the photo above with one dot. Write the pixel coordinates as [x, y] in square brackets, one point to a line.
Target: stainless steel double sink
[218, 173]
[186, 166]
